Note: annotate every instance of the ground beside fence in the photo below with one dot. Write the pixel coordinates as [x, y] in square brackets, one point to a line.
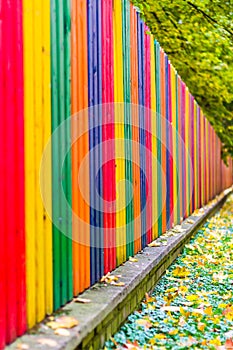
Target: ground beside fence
[191, 306]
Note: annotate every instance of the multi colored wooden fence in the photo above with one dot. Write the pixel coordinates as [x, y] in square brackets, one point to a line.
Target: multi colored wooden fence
[152, 164]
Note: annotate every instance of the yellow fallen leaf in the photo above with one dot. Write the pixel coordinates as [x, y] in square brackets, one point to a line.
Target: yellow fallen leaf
[51, 318]
[173, 332]
[197, 213]
[154, 244]
[149, 299]
[184, 312]
[189, 221]
[215, 341]
[53, 325]
[117, 284]
[171, 290]
[215, 319]
[222, 306]
[192, 297]
[229, 316]
[131, 259]
[208, 311]
[105, 277]
[159, 336]
[170, 297]
[201, 326]
[183, 289]
[110, 278]
[181, 272]
[63, 322]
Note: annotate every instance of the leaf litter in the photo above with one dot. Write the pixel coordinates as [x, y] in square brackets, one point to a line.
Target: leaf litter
[192, 305]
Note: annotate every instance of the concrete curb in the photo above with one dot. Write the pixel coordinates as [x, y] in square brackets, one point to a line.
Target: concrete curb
[111, 305]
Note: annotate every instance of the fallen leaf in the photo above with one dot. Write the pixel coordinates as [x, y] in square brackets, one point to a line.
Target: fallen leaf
[189, 221]
[182, 289]
[192, 297]
[51, 318]
[149, 299]
[215, 341]
[82, 300]
[222, 306]
[204, 342]
[105, 277]
[159, 336]
[117, 284]
[63, 322]
[131, 259]
[201, 326]
[154, 244]
[181, 272]
[178, 229]
[208, 311]
[110, 279]
[229, 316]
[63, 332]
[171, 290]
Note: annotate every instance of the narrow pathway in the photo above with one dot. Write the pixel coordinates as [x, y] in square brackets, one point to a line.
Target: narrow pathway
[192, 305]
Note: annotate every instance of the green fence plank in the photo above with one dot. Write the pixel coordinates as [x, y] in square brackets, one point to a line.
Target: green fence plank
[60, 70]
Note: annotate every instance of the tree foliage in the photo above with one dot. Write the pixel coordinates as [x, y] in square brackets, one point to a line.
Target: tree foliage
[197, 35]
